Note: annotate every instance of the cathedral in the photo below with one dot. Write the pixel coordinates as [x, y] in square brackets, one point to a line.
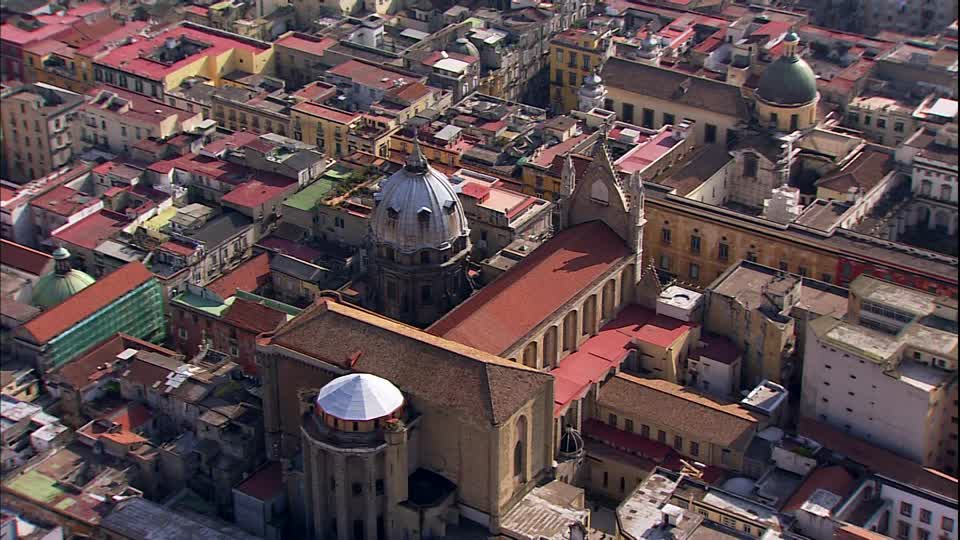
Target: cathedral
[387, 431]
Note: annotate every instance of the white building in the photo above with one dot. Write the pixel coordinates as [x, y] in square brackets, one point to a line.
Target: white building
[931, 157]
[901, 511]
[887, 374]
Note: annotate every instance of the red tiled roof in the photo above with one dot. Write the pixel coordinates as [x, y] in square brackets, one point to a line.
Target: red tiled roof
[628, 442]
[645, 325]
[505, 310]
[178, 248]
[306, 43]
[546, 157]
[411, 92]
[476, 191]
[253, 316]
[18, 36]
[82, 370]
[130, 59]
[264, 484]
[85, 303]
[718, 348]
[834, 479]
[877, 459]
[852, 532]
[92, 230]
[7, 193]
[23, 258]
[130, 417]
[198, 10]
[45, 47]
[63, 201]
[249, 276]
[256, 192]
[328, 113]
[282, 245]
[371, 75]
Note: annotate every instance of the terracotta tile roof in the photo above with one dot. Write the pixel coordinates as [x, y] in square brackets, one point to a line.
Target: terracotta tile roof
[878, 460]
[264, 484]
[306, 43]
[83, 371]
[852, 532]
[834, 479]
[717, 348]
[665, 85]
[329, 113]
[372, 75]
[178, 248]
[63, 201]
[865, 171]
[253, 316]
[92, 230]
[249, 276]
[418, 363]
[504, 311]
[257, 192]
[23, 258]
[85, 303]
[7, 194]
[687, 411]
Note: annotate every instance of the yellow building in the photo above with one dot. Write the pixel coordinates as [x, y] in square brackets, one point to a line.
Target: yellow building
[647, 422]
[326, 127]
[574, 54]
[160, 64]
[651, 96]
[53, 62]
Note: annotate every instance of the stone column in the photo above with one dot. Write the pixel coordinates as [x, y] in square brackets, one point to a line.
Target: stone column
[370, 506]
[344, 527]
[395, 477]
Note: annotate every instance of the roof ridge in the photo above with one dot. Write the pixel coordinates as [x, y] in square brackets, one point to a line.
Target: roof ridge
[711, 402]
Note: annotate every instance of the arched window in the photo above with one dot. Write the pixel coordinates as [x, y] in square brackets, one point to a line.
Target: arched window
[946, 192]
[926, 187]
[520, 450]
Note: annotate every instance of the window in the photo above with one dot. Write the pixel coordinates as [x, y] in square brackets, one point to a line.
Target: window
[925, 516]
[947, 524]
[665, 262]
[573, 60]
[585, 62]
[750, 165]
[694, 271]
[648, 118]
[628, 425]
[612, 420]
[751, 256]
[881, 123]
[627, 113]
[695, 244]
[678, 442]
[605, 479]
[645, 431]
[723, 252]
[357, 487]
[669, 119]
[923, 534]
[867, 120]
[946, 192]
[559, 55]
[774, 120]
[784, 266]
[571, 78]
[662, 436]
[906, 509]
[898, 127]
[694, 449]
[728, 522]
[426, 296]
[794, 122]
[608, 104]
[665, 236]
[378, 485]
[710, 134]
[802, 270]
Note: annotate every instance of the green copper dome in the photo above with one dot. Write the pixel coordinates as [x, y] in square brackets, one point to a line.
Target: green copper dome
[789, 80]
[62, 283]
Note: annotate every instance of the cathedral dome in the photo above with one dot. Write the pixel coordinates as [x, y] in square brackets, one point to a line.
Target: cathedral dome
[417, 208]
[789, 80]
[62, 283]
[359, 397]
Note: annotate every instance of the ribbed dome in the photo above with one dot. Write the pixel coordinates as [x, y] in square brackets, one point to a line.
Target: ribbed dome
[417, 208]
[359, 397]
[571, 442]
[64, 282]
[592, 85]
[789, 80]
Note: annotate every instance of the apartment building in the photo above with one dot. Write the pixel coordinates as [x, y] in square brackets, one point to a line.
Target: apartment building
[115, 119]
[40, 132]
[574, 54]
[154, 66]
[887, 372]
[931, 156]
